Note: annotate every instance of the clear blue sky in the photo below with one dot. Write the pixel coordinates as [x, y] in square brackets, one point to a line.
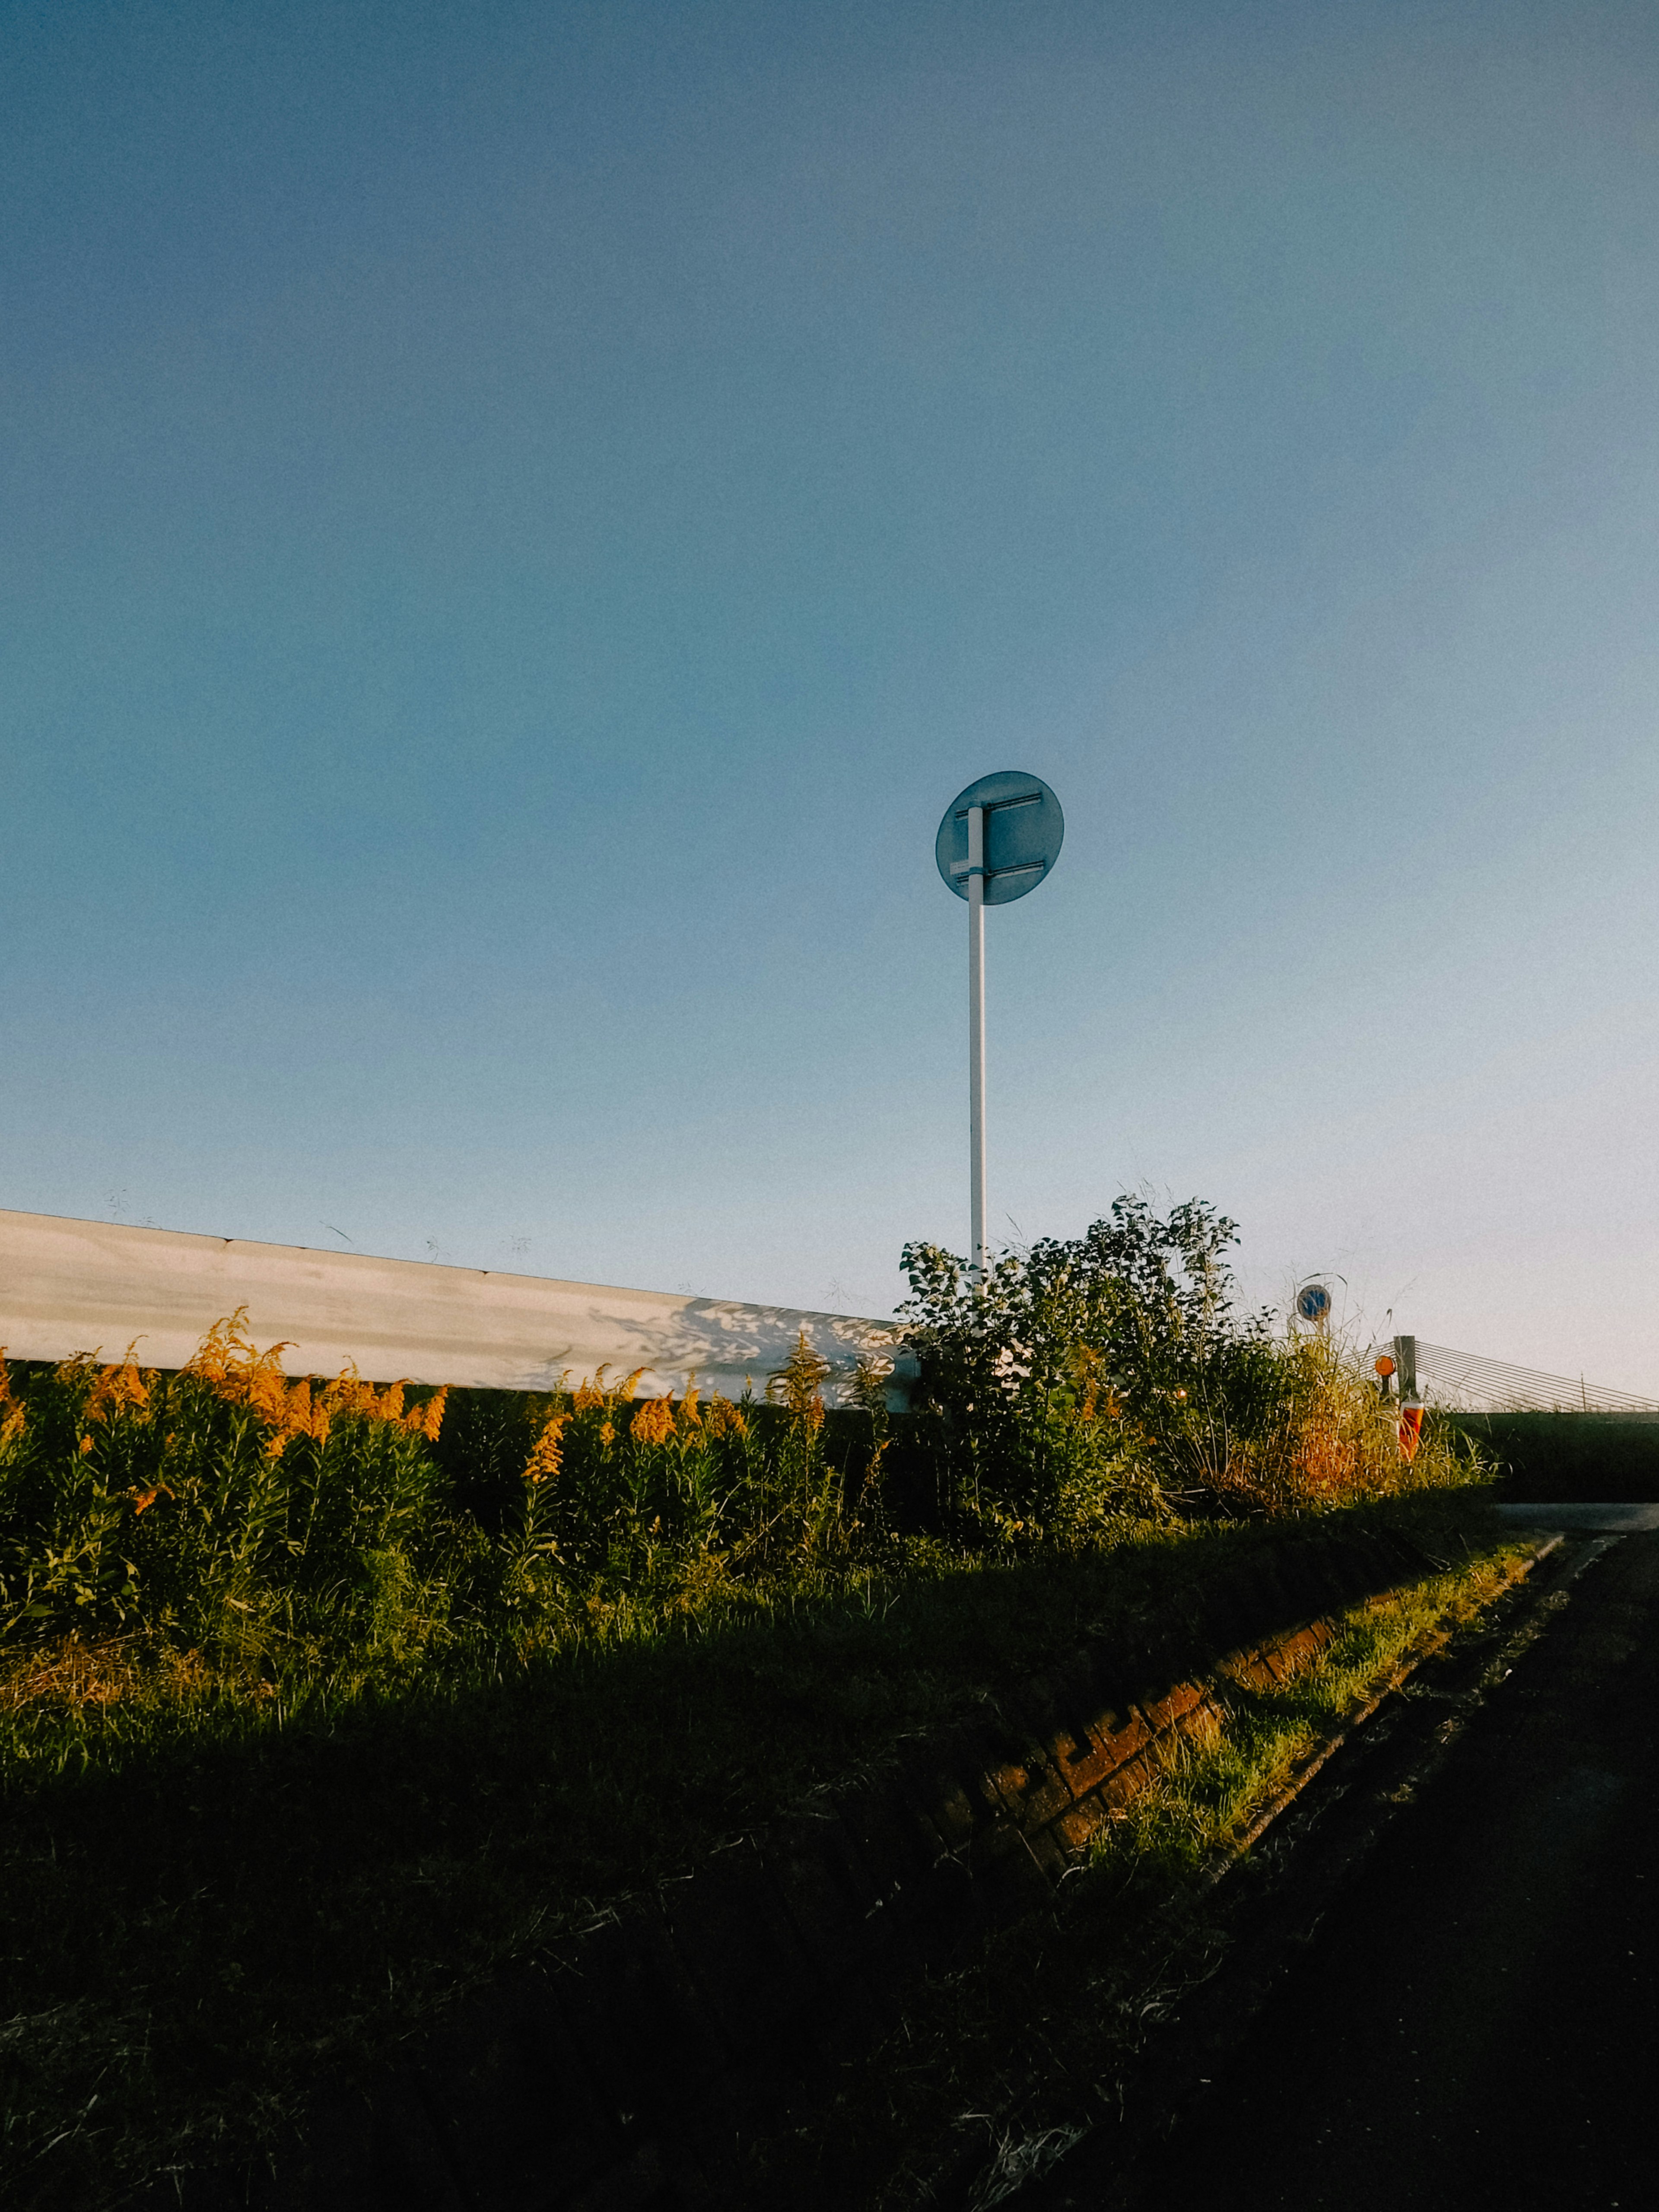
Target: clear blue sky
[517, 519]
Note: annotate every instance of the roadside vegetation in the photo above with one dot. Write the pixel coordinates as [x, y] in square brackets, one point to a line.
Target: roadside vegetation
[993, 2071]
[1562, 1456]
[321, 1700]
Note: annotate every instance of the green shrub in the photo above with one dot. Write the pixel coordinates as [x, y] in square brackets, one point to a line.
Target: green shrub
[1111, 1377]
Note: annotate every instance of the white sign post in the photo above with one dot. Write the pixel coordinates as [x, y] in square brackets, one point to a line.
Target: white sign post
[976, 1036]
[998, 840]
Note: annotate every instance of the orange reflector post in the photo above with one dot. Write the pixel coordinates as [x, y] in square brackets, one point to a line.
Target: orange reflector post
[1411, 1431]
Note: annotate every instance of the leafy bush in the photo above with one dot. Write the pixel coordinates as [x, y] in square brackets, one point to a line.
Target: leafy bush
[1111, 1377]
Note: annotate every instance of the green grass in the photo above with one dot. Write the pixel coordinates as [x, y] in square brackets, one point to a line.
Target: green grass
[209, 1896]
[1558, 1457]
[995, 2068]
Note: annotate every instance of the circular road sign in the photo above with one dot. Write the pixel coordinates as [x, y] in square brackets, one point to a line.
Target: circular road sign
[1024, 826]
[1313, 1302]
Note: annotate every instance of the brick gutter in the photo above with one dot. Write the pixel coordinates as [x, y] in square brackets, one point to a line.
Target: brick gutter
[1327, 1746]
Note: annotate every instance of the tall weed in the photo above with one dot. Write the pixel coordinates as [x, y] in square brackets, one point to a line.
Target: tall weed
[223, 1506]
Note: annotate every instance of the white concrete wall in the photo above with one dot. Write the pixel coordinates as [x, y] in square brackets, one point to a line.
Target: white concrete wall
[68, 1287]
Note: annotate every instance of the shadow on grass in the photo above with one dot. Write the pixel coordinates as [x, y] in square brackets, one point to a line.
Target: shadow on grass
[204, 1914]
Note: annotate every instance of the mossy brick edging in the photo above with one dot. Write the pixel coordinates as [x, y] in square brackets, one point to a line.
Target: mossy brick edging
[615, 2070]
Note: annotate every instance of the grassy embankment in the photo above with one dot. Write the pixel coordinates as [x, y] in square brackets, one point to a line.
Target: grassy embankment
[321, 1703]
[994, 2070]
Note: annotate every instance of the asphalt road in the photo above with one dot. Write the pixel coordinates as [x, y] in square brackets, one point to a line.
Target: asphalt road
[1475, 2019]
[1620, 1520]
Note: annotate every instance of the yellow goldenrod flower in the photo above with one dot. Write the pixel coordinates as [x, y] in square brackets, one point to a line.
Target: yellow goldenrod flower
[655, 1422]
[544, 1462]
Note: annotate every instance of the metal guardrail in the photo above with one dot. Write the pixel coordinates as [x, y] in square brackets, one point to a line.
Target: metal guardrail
[68, 1287]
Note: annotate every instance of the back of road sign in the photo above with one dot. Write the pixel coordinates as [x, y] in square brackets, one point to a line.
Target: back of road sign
[1024, 826]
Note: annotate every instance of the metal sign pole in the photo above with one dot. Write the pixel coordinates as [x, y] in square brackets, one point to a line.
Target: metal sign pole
[977, 1038]
[998, 840]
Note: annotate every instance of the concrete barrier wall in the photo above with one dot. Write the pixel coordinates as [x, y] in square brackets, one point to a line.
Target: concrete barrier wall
[67, 1286]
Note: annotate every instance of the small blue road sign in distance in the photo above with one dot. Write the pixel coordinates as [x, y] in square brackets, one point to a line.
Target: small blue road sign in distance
[1313, 1302]
[1024, 826]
